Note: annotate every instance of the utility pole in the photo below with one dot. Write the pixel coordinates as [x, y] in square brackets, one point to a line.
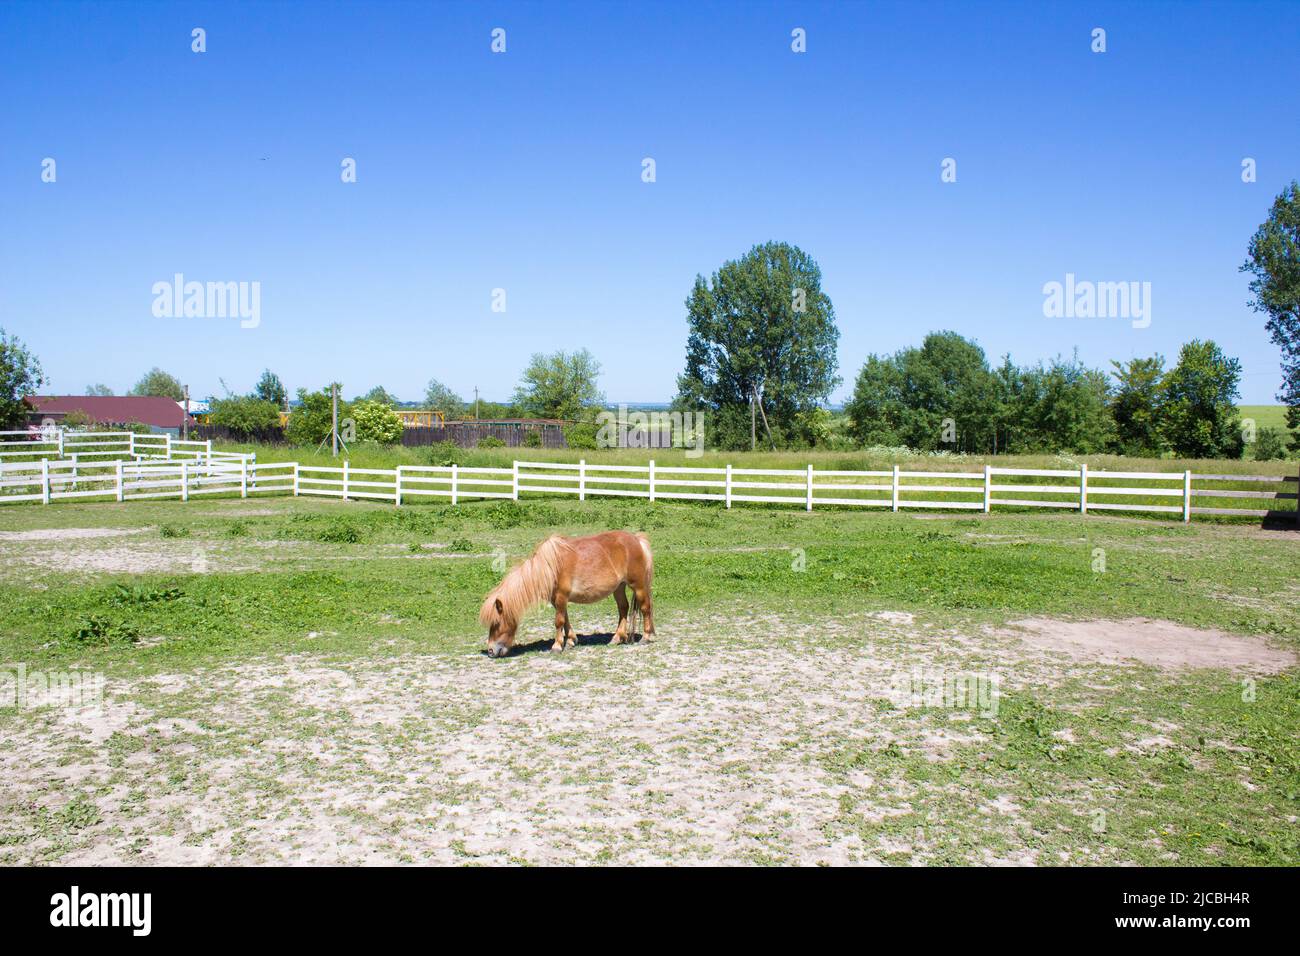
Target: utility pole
[185, 422]
[475, 403]
[334, 410]
[753, 424]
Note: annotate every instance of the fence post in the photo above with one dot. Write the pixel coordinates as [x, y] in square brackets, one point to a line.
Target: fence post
[397, 486]
[894, 489]
[45, 481]
[209, 451]
[514, 482]
[185, 481]
[130, 444]
[74, 469]
[1187, 496]
[60, 441]
[988, 488]
[810, 486]
[455, 480]
[119, 480]
[582, 479]
[252, 460]
[243, 477]
[168, 451]
[345, 479]
[728, 486]
[1083, 488]
[652, 481]
[295, 479]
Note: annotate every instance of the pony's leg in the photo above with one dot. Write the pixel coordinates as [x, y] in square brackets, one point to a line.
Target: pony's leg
[620, 633]
[570, 638]
[647, 611]
[561, 622]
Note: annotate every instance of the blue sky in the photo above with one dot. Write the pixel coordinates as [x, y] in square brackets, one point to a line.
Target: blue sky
[522, 171]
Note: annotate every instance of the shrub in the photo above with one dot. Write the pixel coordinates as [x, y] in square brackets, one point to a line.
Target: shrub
[244, 414]
[532, 438]
[581, 436]
[376, 422]
[309, 423]
[174, 531]
[490, 441]
[1269, 445]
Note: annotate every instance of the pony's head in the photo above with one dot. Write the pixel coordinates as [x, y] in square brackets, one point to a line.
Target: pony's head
[526, 586]
[500, 624]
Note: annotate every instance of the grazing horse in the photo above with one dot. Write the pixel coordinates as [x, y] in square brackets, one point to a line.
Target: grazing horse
[585, 570]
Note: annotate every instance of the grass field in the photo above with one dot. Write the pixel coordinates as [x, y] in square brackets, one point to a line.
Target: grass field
[301, 680]
[1265, 416]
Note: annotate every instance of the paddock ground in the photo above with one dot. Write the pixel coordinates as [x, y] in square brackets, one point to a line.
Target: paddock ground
[301, 681]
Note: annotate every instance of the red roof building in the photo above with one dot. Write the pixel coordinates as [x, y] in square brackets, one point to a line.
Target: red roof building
[107, 409]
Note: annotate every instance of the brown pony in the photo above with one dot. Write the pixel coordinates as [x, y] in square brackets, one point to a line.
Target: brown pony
[585, 570]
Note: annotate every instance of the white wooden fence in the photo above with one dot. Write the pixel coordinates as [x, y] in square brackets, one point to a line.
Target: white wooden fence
[192, 468]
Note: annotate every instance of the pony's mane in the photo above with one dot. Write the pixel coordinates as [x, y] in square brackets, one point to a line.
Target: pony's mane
[527, 585]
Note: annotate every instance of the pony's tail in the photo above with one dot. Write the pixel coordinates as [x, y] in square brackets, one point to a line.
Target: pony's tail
[637, 616]
[649, 557]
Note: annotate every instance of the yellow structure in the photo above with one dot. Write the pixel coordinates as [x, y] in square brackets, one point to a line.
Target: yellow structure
[421, 418]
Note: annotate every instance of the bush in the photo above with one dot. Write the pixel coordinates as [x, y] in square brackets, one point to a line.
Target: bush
[309, 423]
[244, 414]
[532, 438]
[581, 436]
[489, 441]
[1269, 445]
[376, 422]
[174, 531]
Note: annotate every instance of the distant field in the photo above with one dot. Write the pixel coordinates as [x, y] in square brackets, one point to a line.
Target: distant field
[1265, 416]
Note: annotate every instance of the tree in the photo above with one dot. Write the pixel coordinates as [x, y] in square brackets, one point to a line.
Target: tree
[933, 397]
[310, 421]
[1063, 407]
[761, 326]
[245, 415]
[20, 376]
[1135, 405]
[269, 388]
[381, 395]
[440, 398]
[1275, 263]
[1198, 417]
[376, 422]
[157, 382]
[98, 390]
[560, 385]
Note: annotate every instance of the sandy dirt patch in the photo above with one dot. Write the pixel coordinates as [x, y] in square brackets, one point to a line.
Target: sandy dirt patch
[67, 534]
[714, 744]
[1158, 643]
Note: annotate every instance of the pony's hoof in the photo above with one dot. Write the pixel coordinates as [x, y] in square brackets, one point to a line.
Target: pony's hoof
[556, 648]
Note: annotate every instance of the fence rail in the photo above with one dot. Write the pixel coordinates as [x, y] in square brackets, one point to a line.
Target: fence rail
[156, 468]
